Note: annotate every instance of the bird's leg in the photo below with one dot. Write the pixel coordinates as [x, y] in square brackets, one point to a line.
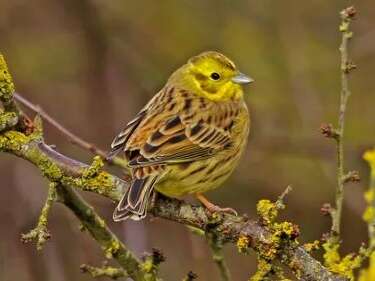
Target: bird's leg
[212, 208]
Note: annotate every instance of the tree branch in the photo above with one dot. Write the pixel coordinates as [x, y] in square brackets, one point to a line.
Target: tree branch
[40, 233]
[343, 177]
[74, 139]
[347, 16]
[64, 172]
[67, 172]
[106, 271]
[111, 245]
[217, 255]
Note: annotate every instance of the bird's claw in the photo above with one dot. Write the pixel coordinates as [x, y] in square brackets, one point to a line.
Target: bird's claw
[216, 209]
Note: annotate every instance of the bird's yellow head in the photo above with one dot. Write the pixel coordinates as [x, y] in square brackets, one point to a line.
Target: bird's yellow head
[211, 75]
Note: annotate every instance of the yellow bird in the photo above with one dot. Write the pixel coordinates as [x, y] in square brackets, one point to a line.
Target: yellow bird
[188, 138]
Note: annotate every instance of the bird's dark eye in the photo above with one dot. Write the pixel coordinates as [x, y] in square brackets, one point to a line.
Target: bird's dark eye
[215, 76]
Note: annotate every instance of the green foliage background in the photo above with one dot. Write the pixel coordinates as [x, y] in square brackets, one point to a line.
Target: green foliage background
[93, 64]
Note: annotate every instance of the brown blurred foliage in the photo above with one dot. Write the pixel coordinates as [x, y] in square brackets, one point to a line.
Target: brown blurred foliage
[93, 64]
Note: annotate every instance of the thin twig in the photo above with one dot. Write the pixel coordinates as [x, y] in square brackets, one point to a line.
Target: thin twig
[280, 204]
[346, 15]
[216, 246]
[104, 271]
[111, 245]
[40, 233]
[73, 138]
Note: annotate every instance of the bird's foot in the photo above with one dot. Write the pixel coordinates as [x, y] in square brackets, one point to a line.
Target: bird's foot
[212, 208]
[218, 209]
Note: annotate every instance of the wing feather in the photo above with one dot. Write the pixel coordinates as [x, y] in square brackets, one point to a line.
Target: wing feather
[192, 129]
[185, 135]
[119, 143]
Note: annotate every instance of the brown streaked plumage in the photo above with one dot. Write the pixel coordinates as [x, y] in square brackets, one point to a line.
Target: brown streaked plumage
[188, 138]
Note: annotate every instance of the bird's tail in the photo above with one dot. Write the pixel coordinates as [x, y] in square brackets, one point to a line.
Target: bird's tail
[134, 202]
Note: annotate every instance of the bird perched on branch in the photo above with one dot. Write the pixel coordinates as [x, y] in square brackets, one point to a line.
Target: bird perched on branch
[188, 138]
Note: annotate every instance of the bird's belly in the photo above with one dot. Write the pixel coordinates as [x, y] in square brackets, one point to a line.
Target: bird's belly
[201, 176]
[198, 176]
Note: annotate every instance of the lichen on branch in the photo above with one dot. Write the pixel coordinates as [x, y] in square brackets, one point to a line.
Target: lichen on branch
[369, 214]
[104, 271]
[7, 88]
[40, 233]
[6, 83]
[282, 234]
[271, 240]
[7, 120]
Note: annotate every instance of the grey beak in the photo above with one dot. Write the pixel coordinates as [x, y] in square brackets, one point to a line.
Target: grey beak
[241, 78]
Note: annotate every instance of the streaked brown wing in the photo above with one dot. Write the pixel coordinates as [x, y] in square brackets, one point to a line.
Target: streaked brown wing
[184, 137]
[155, 105]
[119, 143]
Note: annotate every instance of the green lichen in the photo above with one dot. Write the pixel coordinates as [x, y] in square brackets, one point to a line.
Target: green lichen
[16, 142]
[196, 230]
[282, 233]
[94, 168]
[370, 196]
[6, 82]
[105, 271]
[264, 269]
[13, 141]
[295, 266]
[48, 168]
[268, 271]
[331, 254]
[147, 265]
[150, 269]
[101, 222]
[369, 273]
[82, 227]
[92, 179]
[101, 183]
[309, 247]
[7, 120]
[344, 266]
[243, 244]
[369, 156]
[40, 233]
[267, 210]
[369, 214]
[112, 248]
[284, 230]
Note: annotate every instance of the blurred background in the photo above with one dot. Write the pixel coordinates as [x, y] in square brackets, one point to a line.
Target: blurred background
[93, 64]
